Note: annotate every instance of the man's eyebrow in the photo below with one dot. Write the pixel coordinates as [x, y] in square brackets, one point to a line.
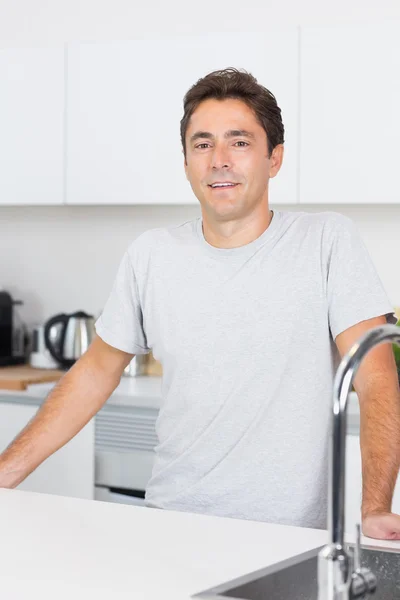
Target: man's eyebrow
[228, 134]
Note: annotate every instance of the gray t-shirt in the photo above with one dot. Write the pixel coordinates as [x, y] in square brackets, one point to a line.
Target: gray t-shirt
[246, 341]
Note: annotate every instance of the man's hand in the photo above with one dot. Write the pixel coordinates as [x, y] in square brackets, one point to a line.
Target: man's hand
[382, 526]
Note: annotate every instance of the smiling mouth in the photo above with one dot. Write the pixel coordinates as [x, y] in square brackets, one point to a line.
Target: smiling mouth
[223, 186]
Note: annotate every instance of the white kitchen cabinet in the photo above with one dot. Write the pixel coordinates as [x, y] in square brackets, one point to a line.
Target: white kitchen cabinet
[32, 125]
[354, 485]
[125, 103]
[67, 472]
[350, 118]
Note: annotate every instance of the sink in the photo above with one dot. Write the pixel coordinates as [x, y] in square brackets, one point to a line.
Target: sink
[296, 578]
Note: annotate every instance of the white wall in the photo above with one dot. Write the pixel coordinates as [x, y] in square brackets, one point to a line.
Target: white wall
[64, 258]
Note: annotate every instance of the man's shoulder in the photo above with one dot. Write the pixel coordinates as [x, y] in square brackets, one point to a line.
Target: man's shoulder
[326, 222]
[159, 238]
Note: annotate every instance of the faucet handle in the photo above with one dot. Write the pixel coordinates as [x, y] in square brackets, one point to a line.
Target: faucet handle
[363, 581]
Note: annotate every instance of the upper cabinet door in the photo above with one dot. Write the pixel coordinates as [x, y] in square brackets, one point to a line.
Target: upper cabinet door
[32, 125]
[125, 103]
[350, 116]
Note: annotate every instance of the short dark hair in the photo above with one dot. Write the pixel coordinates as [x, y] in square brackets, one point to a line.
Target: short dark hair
[240, 85]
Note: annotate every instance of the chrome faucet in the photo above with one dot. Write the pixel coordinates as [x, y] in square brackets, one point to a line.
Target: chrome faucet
[340, 576]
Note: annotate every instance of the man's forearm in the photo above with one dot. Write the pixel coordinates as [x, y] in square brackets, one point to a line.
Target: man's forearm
[380, 444]
[72, 403]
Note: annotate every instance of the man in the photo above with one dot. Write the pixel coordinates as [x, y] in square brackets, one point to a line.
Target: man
[249, 311]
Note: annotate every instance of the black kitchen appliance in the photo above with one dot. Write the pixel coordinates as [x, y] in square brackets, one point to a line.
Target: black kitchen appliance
[13, 335]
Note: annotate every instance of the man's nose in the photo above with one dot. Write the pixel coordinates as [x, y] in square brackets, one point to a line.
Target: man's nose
[220, 158]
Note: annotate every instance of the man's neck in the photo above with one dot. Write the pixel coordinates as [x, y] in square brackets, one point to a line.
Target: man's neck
[233, 234]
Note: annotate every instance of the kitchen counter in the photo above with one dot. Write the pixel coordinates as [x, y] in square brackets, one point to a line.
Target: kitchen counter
[56, 547]
[143, 392]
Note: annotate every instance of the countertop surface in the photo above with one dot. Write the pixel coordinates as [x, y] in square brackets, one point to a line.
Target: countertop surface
[142, 391]
[67, 548]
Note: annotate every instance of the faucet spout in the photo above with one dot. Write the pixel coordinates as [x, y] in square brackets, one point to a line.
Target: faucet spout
[335, 571]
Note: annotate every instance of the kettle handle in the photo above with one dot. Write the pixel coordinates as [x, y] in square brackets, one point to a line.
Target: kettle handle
[61, 318]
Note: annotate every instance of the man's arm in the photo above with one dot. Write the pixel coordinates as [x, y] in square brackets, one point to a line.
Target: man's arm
[76, 398]
[377, 386]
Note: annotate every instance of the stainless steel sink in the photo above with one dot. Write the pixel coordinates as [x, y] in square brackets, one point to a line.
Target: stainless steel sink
[296, 578]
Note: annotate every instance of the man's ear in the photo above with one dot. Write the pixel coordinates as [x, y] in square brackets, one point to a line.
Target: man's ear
[185, 166]
[276, 160]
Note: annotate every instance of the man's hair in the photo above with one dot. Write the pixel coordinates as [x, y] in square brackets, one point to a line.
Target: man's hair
[240, 85]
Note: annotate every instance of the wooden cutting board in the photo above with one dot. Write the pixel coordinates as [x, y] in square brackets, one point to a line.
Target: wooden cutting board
[19, 377]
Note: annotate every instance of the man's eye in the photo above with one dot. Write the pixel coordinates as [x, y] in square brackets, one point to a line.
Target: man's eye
[206, 144]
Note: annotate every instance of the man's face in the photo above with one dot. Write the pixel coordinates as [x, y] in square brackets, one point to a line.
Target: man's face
[225, 143]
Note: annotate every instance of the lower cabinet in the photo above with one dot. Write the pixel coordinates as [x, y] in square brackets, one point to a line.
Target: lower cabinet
[68, 472]
[354, 485]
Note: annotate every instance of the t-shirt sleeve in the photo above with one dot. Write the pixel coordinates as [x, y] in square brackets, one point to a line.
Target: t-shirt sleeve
[121, 322]
[354, 290]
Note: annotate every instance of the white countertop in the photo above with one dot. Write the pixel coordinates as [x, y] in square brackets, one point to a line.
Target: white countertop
[145, 392]
[56, 547]
[142, 391]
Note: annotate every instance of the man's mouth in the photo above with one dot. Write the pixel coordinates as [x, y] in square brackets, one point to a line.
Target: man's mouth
[225, 185]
